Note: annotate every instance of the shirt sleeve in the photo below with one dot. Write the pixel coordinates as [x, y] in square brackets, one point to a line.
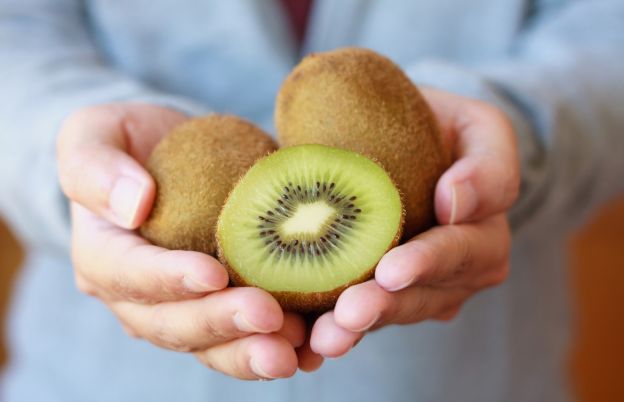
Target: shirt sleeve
[49, 67]
[562, 85]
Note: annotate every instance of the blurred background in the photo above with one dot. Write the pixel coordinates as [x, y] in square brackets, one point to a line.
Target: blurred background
[597, 275]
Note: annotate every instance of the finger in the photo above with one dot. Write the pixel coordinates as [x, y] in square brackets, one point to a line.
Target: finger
[130, 268]
[293, 329]
[485, 178]
[255, 357]
[448, 314]
[212, 320]
[308, 360]
[97, 167]
[467, 255]
[368, 306]
[331, 340]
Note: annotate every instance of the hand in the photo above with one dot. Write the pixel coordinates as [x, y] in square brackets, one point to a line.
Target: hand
[175, 299]
[433, 274]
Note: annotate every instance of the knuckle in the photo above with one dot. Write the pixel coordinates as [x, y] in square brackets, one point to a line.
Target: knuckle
[420, 306]
[208, 327]
[205, 360]
[459, 269]
[72, 126]
[158, 282]
[502, 247]
[511, 191]
[497, 276]
[488, 111]
[84, 285]
[388, 306]
[510, 183]
[415, 312]
[449, 315]
[68, 168]
[463, 249]
[419, 309]
[76, 253]
[121, 287]
[484, 110]
[72, 174]
[126, 283]
[163, 335]
[507, 181]
[502, 274]
[76, 120]
[130, 331]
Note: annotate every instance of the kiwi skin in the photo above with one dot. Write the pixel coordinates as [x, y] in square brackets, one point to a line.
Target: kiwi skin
[359, 100]
[304, 303]
[195, 166]
[309, 302]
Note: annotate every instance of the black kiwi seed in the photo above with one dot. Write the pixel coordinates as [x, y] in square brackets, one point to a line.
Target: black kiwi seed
[285, 204]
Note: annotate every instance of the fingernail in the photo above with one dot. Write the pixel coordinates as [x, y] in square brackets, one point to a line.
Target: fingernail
[463, 201]
[390, 273]
[124, 199]
[400, 286]
[196, 286]
[370, 324]
[243, 324]
[258, 370]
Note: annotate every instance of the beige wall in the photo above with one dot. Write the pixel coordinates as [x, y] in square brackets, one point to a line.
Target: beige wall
[597, 361]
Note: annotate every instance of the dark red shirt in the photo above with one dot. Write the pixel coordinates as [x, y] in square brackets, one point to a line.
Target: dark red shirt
[298, 11]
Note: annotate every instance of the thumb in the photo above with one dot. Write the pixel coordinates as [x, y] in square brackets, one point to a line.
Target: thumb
[484, 180]
[100, 150]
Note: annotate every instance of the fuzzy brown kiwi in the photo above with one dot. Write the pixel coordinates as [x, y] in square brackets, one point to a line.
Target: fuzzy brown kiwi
[306, 222]
[195, 167]
[359, 100]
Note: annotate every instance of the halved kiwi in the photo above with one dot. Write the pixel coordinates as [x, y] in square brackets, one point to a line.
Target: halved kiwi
[306, 222]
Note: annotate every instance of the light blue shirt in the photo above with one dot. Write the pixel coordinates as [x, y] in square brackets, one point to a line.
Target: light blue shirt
[555, 66]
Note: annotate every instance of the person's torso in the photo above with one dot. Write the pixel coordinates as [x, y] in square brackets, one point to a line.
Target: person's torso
[233, 55]
[507, 343]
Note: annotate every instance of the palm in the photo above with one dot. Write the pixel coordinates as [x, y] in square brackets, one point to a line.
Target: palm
[176, 299]
[432, 275]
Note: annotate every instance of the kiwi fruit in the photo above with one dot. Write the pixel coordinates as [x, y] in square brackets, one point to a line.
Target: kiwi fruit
[195, 167]
[306, 222]
[359, 100]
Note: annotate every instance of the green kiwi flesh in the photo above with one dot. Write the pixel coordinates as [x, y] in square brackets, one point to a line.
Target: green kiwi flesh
[308, 221]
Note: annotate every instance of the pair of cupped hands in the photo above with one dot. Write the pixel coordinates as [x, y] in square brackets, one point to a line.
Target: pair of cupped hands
[179, 300]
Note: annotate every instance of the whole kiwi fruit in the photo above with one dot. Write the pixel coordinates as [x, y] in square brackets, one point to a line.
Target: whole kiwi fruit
[195, 167]
[359, 100]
